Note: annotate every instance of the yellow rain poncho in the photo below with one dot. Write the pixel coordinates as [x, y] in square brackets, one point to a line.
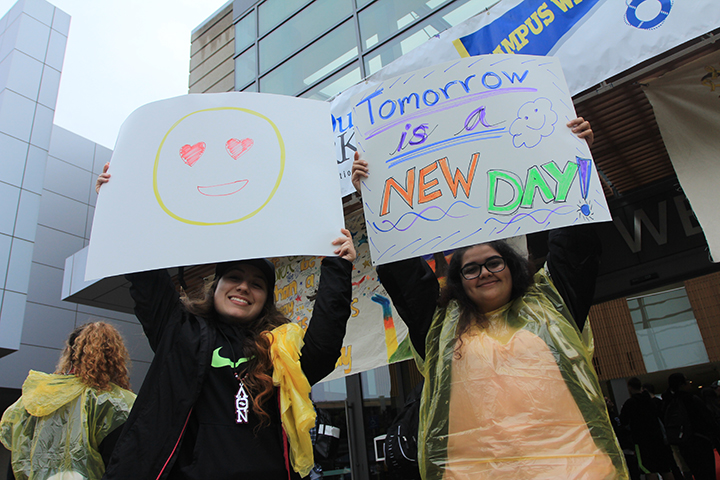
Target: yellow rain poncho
[521, 401]
[53, 431]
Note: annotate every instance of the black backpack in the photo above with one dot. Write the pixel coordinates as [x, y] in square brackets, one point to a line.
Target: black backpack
[678, 427]
[327, 436]
[401, 448]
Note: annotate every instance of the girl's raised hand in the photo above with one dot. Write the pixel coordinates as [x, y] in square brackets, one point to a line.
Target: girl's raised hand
[103, 178]
[359, 171]
[346, 248]
[582, 129]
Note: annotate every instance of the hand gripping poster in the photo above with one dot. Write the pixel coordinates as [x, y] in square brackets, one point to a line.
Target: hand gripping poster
[471, 151]
[206, 178]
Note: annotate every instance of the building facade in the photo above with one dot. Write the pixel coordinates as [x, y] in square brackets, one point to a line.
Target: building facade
[47, 178]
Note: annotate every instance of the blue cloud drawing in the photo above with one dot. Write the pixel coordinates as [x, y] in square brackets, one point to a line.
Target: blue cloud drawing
[534, 121]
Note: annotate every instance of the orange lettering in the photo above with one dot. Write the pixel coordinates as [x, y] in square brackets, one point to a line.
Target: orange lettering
[422, 187]
[406, 193]
[454, 180]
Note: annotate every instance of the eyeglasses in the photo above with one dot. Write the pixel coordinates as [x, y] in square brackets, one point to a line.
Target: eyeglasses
[473, 270]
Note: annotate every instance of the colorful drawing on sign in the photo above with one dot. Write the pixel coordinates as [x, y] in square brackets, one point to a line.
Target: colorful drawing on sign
[391, 341]
[471, 151]
[202, 179]
[375, 334]
[201, 183]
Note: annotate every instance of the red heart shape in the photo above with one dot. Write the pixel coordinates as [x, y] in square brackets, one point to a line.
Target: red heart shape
[192, 153]
[237, 147]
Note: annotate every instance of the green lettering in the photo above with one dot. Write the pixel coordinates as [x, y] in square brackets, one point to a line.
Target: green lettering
[494, 176]
[564, 179]
[535, 181]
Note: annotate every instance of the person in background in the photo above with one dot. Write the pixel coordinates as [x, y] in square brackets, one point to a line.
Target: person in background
[691, 427]
[657, 399]
[510, 391]
[640, 414]
[65, 424]
[712, 400]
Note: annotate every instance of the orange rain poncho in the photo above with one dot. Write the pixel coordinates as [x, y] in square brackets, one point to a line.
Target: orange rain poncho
[522, 401]
[54, 429]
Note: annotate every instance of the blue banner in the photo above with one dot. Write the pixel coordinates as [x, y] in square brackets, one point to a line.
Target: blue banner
[531, 28]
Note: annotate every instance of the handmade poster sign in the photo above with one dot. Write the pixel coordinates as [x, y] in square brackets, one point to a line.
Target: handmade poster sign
[206, 178]
[471, 151]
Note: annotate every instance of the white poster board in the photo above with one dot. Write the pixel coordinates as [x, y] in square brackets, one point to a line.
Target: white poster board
[214, 177]
[471, 151]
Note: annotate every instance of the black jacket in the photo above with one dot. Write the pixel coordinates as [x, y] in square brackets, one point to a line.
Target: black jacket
[182, 343]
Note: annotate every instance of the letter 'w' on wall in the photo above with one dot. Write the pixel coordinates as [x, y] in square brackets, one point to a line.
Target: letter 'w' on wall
[471, 151]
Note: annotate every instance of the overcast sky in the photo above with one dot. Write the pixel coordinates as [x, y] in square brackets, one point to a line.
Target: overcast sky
[122, 54]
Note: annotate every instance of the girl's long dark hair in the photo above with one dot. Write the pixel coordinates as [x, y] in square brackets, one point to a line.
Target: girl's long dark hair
[469, 312]
[257, 343]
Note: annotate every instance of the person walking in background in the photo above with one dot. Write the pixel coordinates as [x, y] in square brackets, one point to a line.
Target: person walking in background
[691, 427]
[641, 415]
[65, 424]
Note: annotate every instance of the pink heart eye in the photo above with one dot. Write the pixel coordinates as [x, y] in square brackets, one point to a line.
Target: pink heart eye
[237, 147]
[192, 153]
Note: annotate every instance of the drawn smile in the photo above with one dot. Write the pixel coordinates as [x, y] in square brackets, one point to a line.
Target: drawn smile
[222, 190]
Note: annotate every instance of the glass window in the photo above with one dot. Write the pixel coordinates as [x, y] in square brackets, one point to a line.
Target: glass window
[383, 19]
[666, 329]
[250, 88]
[331, 391]
[310, 23]
[244, 33]
[245, 68]
[362, 3]
[272, 12]
[318, 60]
[345, 78]
[449, 16]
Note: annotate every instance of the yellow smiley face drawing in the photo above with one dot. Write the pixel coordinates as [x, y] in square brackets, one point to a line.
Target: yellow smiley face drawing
[219, 175]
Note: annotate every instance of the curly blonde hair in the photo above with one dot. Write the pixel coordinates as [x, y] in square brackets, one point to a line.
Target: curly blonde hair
[96, 353]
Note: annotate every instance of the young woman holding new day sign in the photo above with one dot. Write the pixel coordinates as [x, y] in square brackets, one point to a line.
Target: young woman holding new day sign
[510, 391]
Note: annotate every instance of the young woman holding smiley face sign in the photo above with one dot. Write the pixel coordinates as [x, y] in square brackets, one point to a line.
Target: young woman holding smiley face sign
[227, 393]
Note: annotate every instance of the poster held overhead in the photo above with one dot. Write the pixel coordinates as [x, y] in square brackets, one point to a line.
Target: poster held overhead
[214, 177]
[472, 151]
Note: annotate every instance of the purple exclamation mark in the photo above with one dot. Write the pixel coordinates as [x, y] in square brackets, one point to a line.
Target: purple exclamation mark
[584, 165]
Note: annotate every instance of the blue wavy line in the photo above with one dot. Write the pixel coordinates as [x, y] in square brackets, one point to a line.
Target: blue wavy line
[420, 216]
[522, 216]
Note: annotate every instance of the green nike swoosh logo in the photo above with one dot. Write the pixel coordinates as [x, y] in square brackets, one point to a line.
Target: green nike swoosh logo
[219, 362]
